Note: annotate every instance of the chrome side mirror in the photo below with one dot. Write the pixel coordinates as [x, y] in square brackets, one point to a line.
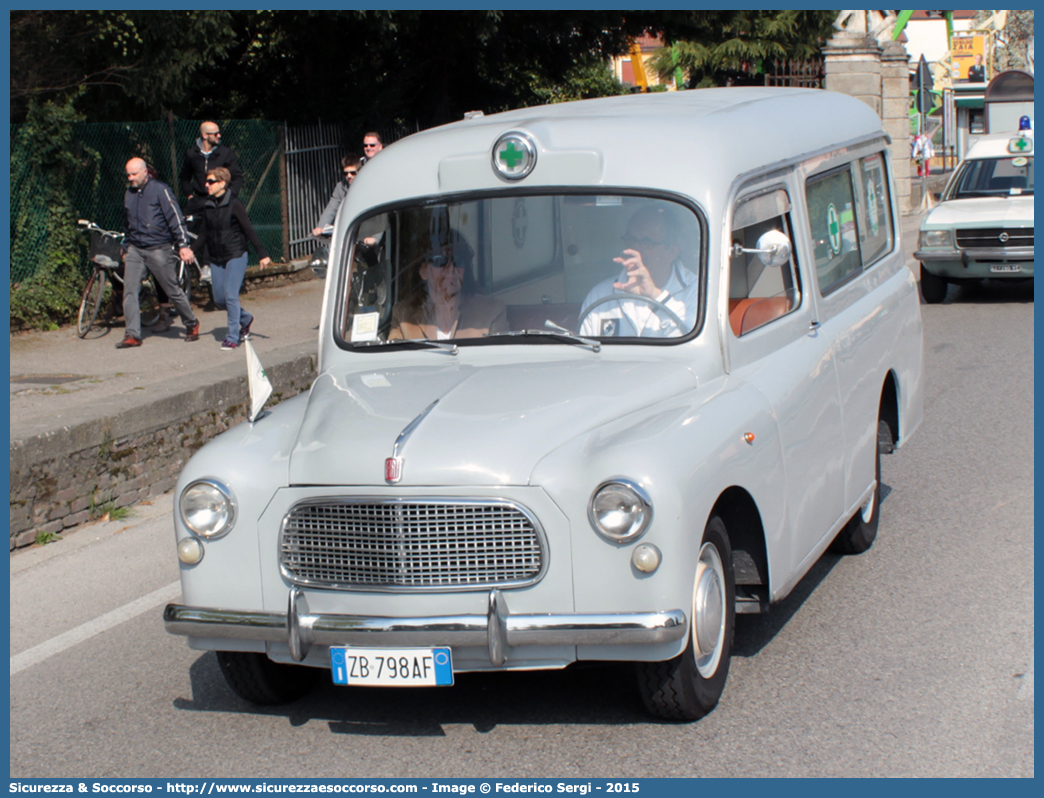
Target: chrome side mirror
[319, 261]
[773, 248]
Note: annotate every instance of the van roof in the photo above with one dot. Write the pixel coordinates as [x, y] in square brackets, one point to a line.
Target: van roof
[994, 145]
[690, 142]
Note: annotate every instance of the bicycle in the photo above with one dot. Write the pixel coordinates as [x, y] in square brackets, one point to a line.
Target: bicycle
[105, 285]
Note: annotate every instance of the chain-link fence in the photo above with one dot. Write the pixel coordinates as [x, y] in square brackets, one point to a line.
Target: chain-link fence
[97, 183]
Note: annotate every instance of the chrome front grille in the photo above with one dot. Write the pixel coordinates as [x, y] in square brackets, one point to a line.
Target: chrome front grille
[395, 544]
[995, 237]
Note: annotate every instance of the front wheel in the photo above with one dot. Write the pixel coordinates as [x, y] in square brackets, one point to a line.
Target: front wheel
[690, 685]
[933, 288]
[90, 303]
[257, 679]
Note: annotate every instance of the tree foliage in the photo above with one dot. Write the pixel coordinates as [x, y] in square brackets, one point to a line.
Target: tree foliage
[47, 157]
[740, 43]
[129, 64]
[368, 67]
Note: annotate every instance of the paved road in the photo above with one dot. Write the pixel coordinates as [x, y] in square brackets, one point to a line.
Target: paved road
[914, 659]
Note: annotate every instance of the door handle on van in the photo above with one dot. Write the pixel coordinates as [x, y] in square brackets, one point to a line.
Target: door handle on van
[813, 326]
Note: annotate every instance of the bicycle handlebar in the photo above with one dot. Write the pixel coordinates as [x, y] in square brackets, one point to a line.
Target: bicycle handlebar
[87, 225]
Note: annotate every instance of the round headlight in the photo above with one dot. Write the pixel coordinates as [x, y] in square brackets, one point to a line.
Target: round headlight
[620, 510]
[207, 508]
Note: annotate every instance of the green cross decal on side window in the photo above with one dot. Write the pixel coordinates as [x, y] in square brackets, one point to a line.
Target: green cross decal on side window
[833, 228]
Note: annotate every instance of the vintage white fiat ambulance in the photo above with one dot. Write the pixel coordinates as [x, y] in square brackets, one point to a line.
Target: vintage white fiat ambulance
[593, 378]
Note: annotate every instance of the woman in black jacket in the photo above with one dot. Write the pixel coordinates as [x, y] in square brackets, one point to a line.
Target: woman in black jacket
[225, 230]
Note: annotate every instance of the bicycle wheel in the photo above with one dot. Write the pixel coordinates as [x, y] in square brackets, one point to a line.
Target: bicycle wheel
[185, 278]
[148, 303]
[90, 303]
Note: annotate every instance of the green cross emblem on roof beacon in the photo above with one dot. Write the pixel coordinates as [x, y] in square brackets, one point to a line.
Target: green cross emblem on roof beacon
[514, 155]
[1021, 144]
[511, 156]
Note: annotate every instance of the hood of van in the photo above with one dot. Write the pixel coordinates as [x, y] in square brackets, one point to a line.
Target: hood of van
[1010, 211]
[487, 425]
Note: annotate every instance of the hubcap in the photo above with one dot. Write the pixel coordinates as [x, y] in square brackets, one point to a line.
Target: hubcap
[708, 612]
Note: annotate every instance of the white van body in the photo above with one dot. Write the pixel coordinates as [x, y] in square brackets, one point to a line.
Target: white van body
[572, 480]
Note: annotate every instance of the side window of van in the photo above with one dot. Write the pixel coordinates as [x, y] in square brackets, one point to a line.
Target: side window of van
[874, 208]
[831, 212]
[761, 292]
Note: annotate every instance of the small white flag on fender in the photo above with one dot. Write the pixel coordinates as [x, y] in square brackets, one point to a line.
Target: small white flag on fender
[260, 387]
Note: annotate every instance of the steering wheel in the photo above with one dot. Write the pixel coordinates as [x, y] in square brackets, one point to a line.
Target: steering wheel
[656, 305]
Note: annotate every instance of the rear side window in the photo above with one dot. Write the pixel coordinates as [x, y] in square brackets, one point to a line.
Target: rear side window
[831, 211]
[874, 210]
[850, 213]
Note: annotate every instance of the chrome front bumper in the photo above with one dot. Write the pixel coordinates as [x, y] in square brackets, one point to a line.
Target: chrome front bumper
[497, 629]
[980, 254]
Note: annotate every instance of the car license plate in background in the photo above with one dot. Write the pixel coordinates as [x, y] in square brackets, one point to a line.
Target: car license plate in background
[391, 667]
[1001, 268]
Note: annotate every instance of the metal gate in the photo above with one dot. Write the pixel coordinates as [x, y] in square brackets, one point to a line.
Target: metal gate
[313, 167]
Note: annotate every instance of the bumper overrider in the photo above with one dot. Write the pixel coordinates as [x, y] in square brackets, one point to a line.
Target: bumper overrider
[498, 629]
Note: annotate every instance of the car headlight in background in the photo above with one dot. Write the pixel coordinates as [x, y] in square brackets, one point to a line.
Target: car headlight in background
[620, 510]
[207, 508]
[936, 238]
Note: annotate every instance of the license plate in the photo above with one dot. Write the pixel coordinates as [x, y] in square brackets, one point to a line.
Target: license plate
[391, 667]
[1005, 268]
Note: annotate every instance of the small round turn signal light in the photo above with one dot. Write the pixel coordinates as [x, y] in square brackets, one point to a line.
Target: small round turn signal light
[646, 558]
[190, 551]
[749, 437]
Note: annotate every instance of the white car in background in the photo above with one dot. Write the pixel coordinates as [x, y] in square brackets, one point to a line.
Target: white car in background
[983, 228]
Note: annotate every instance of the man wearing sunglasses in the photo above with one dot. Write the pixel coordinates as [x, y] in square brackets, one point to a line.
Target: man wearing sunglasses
[372, 144]
[651, 269]
[207, 153]
[350, 165]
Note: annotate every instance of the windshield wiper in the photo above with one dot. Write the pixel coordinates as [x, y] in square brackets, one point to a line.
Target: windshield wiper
[557, 332]
[445, 346]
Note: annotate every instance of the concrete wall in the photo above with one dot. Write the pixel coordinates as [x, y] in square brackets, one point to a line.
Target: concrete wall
[121, 455]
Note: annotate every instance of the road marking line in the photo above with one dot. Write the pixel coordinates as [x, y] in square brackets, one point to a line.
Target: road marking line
[56, 645]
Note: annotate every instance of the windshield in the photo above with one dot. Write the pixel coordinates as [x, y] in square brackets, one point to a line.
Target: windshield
[994, 177]
[525, 269]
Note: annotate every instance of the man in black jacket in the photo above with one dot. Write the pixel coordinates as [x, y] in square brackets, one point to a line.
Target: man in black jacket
[152, 221]
[207, 153]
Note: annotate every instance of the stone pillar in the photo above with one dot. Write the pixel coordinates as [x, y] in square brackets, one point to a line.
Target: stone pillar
[852, 62]
[895, 117]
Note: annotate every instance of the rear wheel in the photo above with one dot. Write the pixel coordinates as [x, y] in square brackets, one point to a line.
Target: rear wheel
[90, 303]
[690, 685]
[185, 279]
[259, 680]
[148, 303]
[859, 533]
[933, 288]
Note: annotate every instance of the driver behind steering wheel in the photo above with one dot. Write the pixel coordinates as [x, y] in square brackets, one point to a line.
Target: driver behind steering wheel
[651, 269]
